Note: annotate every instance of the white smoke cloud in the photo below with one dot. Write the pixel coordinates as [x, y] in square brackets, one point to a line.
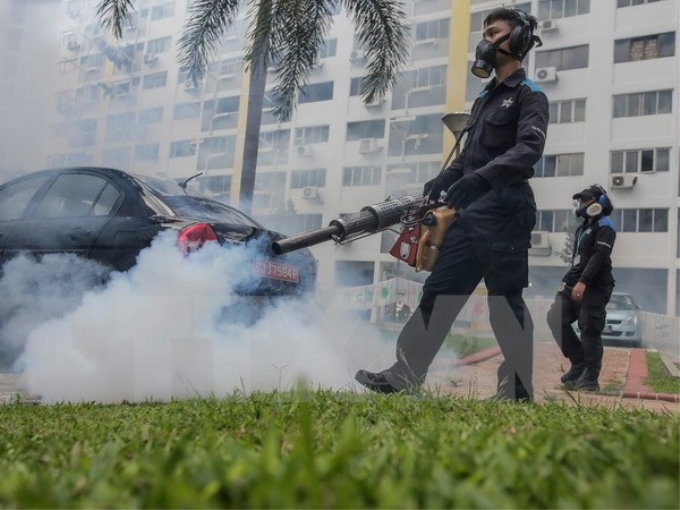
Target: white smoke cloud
[159, 332]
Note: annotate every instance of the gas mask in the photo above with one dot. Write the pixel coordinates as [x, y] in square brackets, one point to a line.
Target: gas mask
[579, 210]
[485, 56]
[591, 210]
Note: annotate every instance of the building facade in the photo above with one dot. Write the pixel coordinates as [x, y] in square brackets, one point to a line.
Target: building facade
[610, 69]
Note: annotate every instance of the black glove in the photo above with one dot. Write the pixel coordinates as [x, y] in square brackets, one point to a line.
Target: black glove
[434, 188]
[466, 190]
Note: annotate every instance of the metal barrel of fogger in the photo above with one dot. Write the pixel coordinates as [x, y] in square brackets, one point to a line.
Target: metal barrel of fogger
[371, 219]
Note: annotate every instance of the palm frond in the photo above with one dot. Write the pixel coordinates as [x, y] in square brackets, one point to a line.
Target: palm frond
[206, 24]
[299, 30]
[381, 31]
[112, 14]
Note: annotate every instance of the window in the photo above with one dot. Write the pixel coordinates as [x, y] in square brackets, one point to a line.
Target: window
[155, 81]
[552, 9]
[163, 11]
[628, 3]
[355, 86]
[182, 149]
[119, 127]
[307, 222]
[563, 112]
[560, 165]
[304, 178]
[14, 199]
[187, 111]
[150, 115]
[146, 152]
[365, 129]
[361, 176]
[559, 220]
[640, 160]
[640, 220]
[430, 76]
[643, 103]
[644, 48]
[83, 133]
[328, 49]
[71, 196]
[311, 134]
[563, 59]
[437, 29]
[316, 92]
[159, 45]
[399, 176]
[225, 68]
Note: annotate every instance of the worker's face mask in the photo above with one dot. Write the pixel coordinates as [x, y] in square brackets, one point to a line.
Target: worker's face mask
[485, 57]
[586, 209]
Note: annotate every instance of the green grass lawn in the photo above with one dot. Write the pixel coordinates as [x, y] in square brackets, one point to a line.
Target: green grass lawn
[330, 450]
[658, 378]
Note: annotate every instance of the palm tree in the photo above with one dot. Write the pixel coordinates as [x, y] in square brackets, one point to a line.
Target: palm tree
[289, 34]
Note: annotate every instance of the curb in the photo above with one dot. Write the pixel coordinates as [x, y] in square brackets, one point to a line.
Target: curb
[480, 356]
[635, 382]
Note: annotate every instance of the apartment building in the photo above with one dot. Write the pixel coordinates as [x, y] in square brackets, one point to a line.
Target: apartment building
[27, 41]
[609, 68]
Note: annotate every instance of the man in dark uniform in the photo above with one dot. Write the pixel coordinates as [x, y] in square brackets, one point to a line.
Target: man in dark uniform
[585, 291]
[496, 212]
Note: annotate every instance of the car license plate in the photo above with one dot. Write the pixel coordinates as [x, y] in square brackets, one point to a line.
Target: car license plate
[276, 271]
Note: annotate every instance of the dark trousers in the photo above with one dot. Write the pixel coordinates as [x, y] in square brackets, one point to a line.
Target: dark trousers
[459, 269]
[590, 314]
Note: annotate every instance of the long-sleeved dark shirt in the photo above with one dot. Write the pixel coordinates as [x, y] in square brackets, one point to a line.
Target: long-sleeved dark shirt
[591, 261]
[506, 136]
[506, 132]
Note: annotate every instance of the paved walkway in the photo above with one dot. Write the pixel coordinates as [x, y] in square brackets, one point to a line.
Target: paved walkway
[620, 379]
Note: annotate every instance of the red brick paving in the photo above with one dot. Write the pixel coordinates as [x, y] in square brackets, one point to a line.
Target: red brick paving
[475, 377]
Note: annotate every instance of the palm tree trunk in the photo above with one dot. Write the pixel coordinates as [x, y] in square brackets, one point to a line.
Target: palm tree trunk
[256, 88]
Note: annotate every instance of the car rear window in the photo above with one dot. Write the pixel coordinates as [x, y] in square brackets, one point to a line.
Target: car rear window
[15, 197]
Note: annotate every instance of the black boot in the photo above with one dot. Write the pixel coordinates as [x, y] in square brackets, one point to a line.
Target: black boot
[573, 374]
[587, 381]
[375, 382]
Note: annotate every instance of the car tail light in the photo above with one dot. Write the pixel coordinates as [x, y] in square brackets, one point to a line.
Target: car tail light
[193, 237]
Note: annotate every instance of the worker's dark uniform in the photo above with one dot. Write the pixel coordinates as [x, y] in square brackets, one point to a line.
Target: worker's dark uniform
[489, 240]
[592, 265]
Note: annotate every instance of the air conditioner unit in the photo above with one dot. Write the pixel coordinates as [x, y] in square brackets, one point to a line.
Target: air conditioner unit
[304, 150]
[540, 244]
[150, 58]
[545, 75]
[310, 192]
[547, 25]
[73, 46]
[368, 146]
[357, 55]
[190, 85]
[623, 181]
